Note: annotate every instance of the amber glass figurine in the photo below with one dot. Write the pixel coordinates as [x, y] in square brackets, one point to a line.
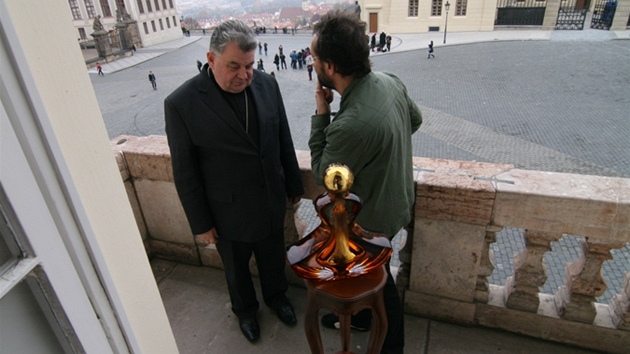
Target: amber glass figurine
[338, 248]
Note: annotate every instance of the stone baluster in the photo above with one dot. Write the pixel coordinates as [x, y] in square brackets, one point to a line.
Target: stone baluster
[294, 226]
[620, 306]
[486, 265]
[529, 273]
[584, 282]
[404, 256]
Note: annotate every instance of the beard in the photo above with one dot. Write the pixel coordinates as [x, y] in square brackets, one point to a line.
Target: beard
[325, 80]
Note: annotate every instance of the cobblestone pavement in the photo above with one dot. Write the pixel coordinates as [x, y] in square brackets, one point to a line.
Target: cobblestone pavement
[554, 103]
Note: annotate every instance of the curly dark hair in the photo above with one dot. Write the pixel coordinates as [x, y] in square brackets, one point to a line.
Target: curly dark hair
[341, 39]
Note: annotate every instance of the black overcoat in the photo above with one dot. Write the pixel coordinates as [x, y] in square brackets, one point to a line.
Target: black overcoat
[222, 178]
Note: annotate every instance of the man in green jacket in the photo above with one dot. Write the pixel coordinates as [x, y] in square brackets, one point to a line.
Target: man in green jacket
[371, 134]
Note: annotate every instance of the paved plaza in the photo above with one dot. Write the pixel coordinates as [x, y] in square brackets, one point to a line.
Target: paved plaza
[540, 100]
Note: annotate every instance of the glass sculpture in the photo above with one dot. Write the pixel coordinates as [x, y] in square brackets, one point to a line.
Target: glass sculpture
[339, 247]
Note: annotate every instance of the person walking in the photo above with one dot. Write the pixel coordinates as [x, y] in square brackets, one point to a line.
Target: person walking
[381, 41]
[357, 9]
[199, 65]
[235, 169]
[276, 61]
[99, 69]
[283, 61]
[265, 46]
[152, 80]
[309, 61]
[293, 56]
[430, 51]
[388, 43]
[373, 42]
[260, 66]
[373, 140]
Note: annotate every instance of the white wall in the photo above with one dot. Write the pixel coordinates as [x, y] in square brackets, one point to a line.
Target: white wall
[77, 174]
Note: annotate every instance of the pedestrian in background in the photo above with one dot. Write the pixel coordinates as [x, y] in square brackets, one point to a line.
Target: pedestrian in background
[276, 61]
[99, 69]
[152, 79]
[199, 65]
[373, 140]
[309, 64]
[381, 41]
[430, 51]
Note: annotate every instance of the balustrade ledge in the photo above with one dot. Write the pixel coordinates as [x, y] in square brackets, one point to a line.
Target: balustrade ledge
[460, 206]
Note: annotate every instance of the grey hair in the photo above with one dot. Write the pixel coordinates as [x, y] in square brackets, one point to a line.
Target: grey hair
[233, 31]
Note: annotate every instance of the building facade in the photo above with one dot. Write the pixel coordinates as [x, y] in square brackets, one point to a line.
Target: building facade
[157, 20]
[419, 16]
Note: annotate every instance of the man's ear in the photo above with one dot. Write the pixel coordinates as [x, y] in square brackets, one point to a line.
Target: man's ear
[329, 68]
[211, 57]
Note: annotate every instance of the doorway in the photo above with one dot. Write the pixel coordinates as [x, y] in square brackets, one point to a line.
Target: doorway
[373, 22]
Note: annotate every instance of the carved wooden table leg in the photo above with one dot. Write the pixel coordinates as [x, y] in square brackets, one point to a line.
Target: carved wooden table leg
[346, 297]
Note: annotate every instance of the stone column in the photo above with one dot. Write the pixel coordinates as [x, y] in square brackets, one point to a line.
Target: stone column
[620, 306]
[529, 272]
[101, 38]
[486, 265]
[125, 40]
[294, 226]
[101, 41]
[404, 268]
[621, 16]
[551, 15]
[575, 300]
[132, 31]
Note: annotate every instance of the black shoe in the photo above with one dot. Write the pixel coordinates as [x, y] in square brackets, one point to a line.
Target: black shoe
[250, 328]
[285, 313]
[332, 321]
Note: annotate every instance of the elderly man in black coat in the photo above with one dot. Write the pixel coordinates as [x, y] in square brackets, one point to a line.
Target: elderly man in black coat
[234, 167]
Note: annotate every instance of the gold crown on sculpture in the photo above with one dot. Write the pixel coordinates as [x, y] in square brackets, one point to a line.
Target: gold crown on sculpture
[338, 178]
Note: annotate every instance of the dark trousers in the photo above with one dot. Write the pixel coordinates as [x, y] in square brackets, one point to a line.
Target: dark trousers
[395, 338]
[270, 259]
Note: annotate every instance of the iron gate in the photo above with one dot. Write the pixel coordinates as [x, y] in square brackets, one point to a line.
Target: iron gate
[570, 16]
[520, 12]
[603, 14]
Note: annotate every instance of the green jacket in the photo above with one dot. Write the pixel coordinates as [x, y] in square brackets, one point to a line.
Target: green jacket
[371, 134]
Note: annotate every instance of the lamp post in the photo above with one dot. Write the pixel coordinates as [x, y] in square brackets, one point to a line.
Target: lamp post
[446, 7]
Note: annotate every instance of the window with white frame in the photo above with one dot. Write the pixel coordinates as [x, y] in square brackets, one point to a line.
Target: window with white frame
[74, 8]
[460, 7]
[149, 8]
[107, 12]
[413, 8]
[436, 7]
[89, 7]
[140, 6]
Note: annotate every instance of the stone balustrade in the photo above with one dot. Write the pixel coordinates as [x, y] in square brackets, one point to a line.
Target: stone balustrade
[460, 208]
